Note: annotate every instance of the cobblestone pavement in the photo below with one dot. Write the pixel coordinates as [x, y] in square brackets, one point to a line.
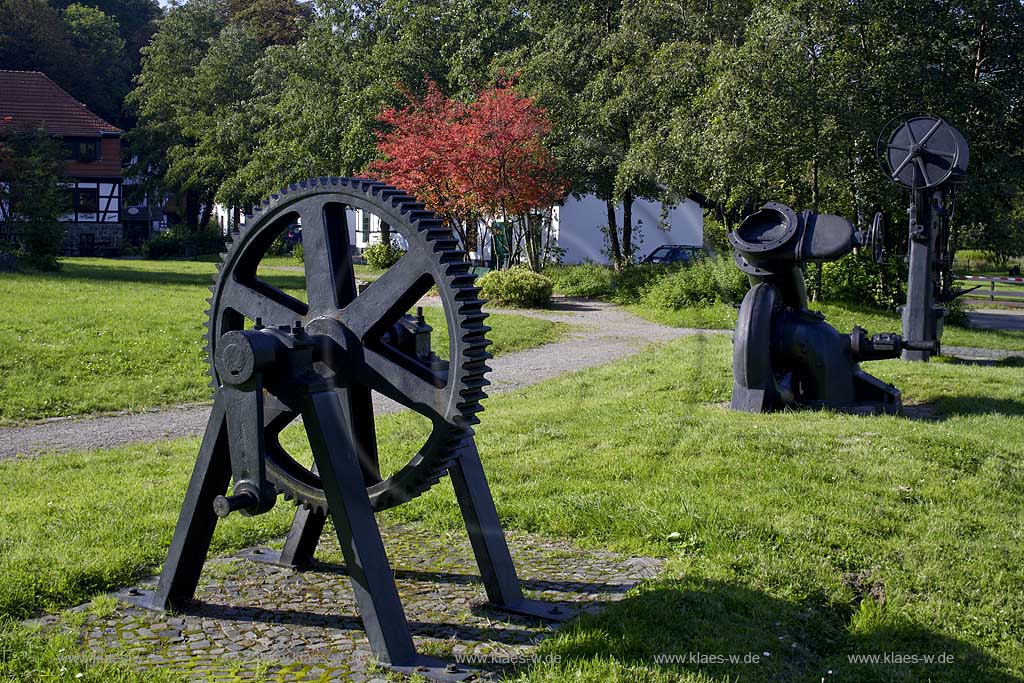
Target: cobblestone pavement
[257, 622]
[602, 333]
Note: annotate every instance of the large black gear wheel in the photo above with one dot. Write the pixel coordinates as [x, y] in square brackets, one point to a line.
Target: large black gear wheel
[447, 393]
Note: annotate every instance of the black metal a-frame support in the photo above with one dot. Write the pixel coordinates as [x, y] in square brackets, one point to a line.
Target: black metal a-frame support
[376, 593]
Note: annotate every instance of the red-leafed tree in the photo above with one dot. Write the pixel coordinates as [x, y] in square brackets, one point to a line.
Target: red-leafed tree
[484, 159]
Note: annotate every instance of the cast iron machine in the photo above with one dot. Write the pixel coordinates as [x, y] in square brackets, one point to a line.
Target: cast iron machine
[929, 157]
[275, 358]
[785, 355]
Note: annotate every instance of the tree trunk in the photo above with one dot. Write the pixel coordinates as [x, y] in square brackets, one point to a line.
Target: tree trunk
[613, 236]
[191, 211]
[627, 227]
[204, 216]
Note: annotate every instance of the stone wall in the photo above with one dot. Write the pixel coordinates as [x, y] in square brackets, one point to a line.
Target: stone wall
[93, 239]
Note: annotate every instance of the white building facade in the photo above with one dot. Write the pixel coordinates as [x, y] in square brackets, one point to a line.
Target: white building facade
[575, 228]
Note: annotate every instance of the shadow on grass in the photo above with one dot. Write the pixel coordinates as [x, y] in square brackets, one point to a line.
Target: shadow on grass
[127, 273]
[962, 405]
[725, 631]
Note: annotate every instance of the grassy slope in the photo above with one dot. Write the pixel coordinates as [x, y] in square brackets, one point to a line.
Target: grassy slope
[111, 335]
[775, 515]
[841, 316]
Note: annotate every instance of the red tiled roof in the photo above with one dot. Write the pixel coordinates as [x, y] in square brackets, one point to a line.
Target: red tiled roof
[31, 97]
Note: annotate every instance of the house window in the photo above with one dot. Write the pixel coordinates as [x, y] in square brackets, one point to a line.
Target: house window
[366, 226]
[81, 150]
[88, 201]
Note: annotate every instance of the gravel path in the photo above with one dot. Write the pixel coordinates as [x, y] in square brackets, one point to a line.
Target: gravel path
[603, 333]
[996, 319]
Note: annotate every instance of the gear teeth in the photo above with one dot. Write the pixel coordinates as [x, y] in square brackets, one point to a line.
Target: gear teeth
[466, 420]
[446, 245]
[470, 295]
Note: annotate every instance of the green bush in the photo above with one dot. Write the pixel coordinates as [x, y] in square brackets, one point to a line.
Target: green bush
[856, 278]
[279, 247]
[516, 287]
[163, 246]
[632, 282]
[299, 253]
[172, 244]
[382, 255]
[588, 280]
[704, 283]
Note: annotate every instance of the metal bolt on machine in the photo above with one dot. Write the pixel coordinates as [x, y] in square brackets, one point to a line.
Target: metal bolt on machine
[275, 358]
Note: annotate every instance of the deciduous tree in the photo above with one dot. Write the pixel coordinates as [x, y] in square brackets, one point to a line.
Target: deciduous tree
[31, 201]
[469, 161]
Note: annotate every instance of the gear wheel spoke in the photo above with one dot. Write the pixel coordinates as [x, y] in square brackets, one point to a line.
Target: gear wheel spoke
[387, 298]
[261, 301]
[330, 279]
[401, 383]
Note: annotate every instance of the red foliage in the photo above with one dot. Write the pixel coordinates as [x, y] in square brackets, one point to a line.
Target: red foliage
[465, 160]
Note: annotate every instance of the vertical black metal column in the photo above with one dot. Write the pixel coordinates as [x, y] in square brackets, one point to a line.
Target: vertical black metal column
[497, 570]
[308, 525]
[197, 520]
[303, 538]
[373, 581]
[919, 311]
[485, 533]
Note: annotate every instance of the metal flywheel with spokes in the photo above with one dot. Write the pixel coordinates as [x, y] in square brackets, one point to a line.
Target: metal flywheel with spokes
[366, 329]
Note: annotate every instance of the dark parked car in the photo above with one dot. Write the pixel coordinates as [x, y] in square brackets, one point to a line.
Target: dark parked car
[674, 253]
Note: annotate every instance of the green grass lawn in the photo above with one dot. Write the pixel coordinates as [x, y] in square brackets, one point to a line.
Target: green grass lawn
[105, 334]
[809, 536]
[841, 316]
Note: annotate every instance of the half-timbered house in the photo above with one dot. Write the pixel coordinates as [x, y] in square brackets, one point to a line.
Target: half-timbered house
[92, 158]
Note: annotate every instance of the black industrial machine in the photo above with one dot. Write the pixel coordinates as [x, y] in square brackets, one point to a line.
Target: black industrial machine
[929, 157]
[785, 355]
[275, 358]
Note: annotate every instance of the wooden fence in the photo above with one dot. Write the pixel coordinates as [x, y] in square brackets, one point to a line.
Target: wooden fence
[989, 294]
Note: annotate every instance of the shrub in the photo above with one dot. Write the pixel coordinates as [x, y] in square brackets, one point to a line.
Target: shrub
[279, 247]
[704, 283]
[299, 253]
[382, 255]
[632, 282]
[163, 246]
[856, 278]
[207, 242]
[516, 287]
[586, 279]
[172, 244]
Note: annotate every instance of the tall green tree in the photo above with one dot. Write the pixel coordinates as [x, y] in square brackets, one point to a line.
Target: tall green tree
[105, 68]
[31, 201]
[136, 21]
[316, 104]
[164, 103]
[590, 65]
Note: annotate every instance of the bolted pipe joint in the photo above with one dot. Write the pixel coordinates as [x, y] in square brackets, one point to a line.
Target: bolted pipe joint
[242, 354]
